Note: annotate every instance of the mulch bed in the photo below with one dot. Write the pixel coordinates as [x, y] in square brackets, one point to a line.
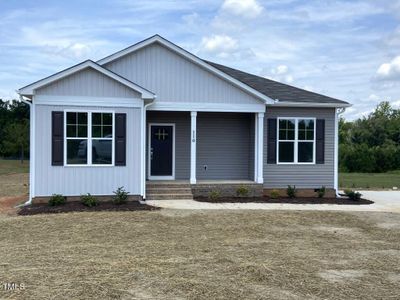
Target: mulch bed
[340, 201]
[76, 206]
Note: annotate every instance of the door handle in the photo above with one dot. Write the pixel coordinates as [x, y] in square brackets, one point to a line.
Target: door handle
[151, 153]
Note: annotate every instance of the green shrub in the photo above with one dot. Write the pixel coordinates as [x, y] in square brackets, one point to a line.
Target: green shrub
[57, 199]
[291, 191]
[242, 191]
[274, 194]
[321, 192]
[353, 195]
[121, 196]
[89, 200]
[214, 195]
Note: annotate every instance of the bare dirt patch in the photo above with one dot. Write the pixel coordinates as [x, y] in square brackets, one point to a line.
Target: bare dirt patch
[7, 204]
[341, 276]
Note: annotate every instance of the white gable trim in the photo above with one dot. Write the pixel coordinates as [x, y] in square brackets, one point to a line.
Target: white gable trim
[88, 101]
[30, 89]
[190, 57]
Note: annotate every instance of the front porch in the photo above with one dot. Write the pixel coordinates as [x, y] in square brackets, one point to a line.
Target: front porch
[203, 148]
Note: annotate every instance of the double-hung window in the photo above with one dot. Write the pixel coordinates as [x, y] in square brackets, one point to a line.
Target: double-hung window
[296, 140]
[89, 130]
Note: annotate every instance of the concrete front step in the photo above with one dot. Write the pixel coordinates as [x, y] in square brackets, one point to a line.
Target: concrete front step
[168, 185]
[169, 196]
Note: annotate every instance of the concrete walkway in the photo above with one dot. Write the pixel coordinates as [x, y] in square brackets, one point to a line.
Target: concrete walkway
[385, 201]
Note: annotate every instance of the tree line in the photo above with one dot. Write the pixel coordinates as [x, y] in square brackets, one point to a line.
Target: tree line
[14, 130]
[371, 143]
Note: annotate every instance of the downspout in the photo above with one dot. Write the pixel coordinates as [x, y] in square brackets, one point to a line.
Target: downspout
[31, 149]
[338, 111]
[143, 160]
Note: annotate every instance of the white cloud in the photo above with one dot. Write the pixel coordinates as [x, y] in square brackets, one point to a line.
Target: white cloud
[281, 73]
[219, 44]
[244, 8]
[390, 70]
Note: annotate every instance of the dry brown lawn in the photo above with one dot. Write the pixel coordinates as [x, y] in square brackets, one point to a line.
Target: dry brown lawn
[170, 254]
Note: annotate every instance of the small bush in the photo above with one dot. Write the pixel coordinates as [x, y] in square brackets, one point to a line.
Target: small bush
[121, 196]
[353, 195]
[274, 194]
[89, 200]
[291, 191]
[57, 199]
[321, 192]
[214, 195]
[242, 191]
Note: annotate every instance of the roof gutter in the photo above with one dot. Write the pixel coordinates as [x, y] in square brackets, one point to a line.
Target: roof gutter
[309, 104]
[338, 112]
[31, 149]
[143, 142]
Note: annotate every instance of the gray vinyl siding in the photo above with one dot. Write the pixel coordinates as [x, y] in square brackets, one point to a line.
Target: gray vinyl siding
[74, 181]
[224, 145]
[88, 83]
[176, 79]
[303, 176]
[182, 139]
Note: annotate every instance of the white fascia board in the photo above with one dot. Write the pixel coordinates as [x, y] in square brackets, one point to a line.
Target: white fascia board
[193, 58]
[308, 104]
[30, 89]
[207, 107]
[88, 101]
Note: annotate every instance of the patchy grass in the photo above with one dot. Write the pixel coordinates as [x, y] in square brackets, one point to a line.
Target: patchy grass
[13, 166]
[14, 178]
[171, 254]
[370, 180]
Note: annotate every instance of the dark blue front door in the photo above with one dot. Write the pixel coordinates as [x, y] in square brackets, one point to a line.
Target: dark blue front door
[161, 148]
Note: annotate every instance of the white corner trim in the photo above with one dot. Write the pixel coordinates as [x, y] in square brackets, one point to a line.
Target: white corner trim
[207, 107]
[309, 104]
[336, 152]
[193, 145]
[260, 147]
[29, 89]
[88, 101]
[190, 57]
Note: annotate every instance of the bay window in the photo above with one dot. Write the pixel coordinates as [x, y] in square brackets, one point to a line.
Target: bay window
[296, 140]
[89, 130]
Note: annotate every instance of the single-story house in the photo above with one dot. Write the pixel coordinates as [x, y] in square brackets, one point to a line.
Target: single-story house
[154, 114]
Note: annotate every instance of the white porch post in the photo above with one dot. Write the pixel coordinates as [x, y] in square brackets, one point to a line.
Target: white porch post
[260, 147]
[193, 116]
[255, 147]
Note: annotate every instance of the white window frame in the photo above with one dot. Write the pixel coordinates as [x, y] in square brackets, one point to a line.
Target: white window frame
[296, 141]
[89, 138]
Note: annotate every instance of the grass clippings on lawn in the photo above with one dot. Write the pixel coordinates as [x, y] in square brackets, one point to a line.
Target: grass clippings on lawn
[171, 254]
[308, 200]
[76, 206]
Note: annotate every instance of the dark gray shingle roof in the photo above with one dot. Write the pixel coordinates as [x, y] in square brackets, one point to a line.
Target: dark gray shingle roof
[276, 90]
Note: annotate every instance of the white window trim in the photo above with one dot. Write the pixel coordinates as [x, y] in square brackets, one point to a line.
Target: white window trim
[295, 141]
[89, 138]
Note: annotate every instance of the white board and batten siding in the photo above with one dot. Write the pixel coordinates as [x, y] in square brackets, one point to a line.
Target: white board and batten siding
[77, 180]
[88, 83]
[90, 88]
[303, 176]
[175, 79]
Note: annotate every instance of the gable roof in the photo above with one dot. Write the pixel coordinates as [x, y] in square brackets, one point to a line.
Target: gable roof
[191, 57]
[284, 94]
[29, 89]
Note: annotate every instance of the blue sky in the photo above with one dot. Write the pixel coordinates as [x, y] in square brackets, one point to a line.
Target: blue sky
[345, 49]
